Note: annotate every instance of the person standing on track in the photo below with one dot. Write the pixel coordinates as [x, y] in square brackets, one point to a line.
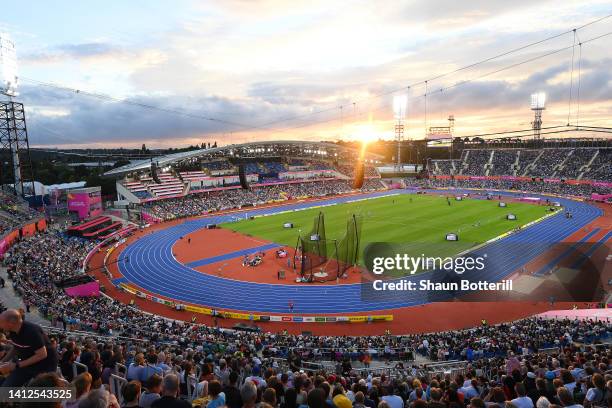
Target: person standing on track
[291, 305]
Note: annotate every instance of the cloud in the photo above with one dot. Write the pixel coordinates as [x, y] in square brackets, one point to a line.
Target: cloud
[74, 51]
[91, 120]
[262, 61]
[452, 13]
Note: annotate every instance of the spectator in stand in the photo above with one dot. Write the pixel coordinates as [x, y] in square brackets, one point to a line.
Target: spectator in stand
[14, 212]
[150, 368]
[248, 394]
[394, 401]
[470, 391]
[99, 398]
[82, 385]
[231, 392]
[566, 398]
[31, 353]
[435, 398]
[46, 380]
[206, 201]
[216, 398]
[136, 368]
[316, 398]
[596, 394]
[131, 394]
[152, 392]
[417, 392]
[170, 391]
[522, 400]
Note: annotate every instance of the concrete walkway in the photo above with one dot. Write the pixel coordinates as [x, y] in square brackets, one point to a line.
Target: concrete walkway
[10, 300]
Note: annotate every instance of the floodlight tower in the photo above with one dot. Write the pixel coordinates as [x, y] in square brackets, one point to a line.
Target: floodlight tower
[538, 104]
[451, 129]
[13, 132]
[400, 102]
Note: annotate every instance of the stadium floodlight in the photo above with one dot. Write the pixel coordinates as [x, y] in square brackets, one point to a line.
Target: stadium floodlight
[8, 66]
[538, 101]
[400, 102]
[538, 104]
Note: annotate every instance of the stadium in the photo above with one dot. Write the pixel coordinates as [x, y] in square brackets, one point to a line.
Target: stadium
[448, 270]
[228, 243]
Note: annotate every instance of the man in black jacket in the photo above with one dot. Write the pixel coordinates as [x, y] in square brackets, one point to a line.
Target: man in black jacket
[31, 352]
[169, 394]
[232, 393]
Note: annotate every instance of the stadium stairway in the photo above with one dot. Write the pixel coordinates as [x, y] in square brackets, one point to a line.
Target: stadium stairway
[11, 300]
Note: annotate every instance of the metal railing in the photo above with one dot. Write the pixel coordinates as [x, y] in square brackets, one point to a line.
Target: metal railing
[115, 385]
[75, 369]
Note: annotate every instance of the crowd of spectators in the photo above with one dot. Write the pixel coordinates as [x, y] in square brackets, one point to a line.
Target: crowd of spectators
[446, 167]
[601, 168]
[474, 162]
[34, 264]
[503, 161]
[526, 157]
[218, 165]
[535, 186]
[14, 212]
[373, 184]
[574, 164]
[196, 204]
[349, 170]
[548, 163]
[241, 373]
[562, 163]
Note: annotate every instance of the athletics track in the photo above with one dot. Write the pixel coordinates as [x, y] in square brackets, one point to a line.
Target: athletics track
[150, 264]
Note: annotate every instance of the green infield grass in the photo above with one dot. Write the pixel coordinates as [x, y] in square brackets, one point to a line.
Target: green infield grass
[402, 219]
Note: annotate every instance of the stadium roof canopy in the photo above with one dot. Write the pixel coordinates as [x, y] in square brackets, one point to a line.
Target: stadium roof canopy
[290, 148]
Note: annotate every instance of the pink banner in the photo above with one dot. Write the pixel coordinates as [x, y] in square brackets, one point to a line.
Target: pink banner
[79, 203]
[84, 290]
[601, 197]
[27, 230]
[86, 205]
[4, 246]
[150, 219]
[530, 199]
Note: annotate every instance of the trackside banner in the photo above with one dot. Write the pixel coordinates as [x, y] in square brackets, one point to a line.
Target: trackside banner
[259, 317]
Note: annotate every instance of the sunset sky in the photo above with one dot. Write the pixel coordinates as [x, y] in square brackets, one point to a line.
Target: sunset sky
[264, 69]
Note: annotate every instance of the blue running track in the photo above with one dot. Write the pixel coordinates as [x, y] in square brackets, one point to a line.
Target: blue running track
[153, 267]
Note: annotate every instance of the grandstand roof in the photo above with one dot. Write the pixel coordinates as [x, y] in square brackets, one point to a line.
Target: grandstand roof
[320, 150]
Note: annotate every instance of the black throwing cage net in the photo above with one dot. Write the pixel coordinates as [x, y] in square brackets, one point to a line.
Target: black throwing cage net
[348, 245]
[322, 260]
